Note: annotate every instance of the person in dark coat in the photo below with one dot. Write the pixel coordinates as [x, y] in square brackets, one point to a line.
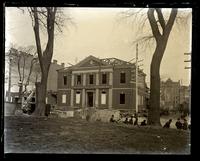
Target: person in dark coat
[47, 110]
[131, 120]
[126, 121]
[136, 121]
[143, 123]
[167, 124]
[185, 125]
[112, 119]
[178, 124]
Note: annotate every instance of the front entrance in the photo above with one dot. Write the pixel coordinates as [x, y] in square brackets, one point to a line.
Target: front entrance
[90, 99]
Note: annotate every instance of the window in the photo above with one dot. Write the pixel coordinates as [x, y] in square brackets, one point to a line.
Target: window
[104, 78]
[91, 79]
[64, 97]
[78, 79]
[46, 100]
[122, 77]
[65, 79]
[103, 98]
[78, 97]
[122, 98]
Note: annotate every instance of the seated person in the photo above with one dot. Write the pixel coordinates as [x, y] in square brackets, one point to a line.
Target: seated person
[143, 123]
[178, 124]
[112, 119]
[126, 121]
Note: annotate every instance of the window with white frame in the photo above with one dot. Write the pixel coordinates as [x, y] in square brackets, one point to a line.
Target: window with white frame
[64, 98]
[103, 98]
[78, 97]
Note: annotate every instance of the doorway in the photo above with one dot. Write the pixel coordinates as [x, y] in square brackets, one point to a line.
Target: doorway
[90, 99]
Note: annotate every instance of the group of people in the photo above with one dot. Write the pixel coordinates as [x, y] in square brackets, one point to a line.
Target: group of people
[179, 124]
[130, 121]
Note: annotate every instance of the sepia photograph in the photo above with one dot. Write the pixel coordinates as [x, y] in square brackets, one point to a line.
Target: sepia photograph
[97, 80]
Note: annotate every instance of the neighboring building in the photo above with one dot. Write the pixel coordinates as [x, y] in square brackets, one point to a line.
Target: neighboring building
[35, 77]
[52, 82]
[173, 94]
[184, 94]
[170, 94]
[100, 83]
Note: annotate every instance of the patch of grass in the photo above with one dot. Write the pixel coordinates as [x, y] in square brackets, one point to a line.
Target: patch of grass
[56, 135]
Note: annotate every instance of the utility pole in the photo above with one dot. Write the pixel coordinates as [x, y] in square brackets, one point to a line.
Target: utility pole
[189, 61]
[136, 84]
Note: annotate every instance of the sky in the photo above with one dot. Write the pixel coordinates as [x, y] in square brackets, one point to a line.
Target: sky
[104, 33]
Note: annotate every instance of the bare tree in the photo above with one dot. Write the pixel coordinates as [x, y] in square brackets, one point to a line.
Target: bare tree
[160, 26]
[25, 61]
[46, 18]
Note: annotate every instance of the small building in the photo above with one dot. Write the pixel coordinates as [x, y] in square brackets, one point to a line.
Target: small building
[100, 83]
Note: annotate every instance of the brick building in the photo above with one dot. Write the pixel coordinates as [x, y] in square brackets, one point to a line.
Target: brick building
[100, 83]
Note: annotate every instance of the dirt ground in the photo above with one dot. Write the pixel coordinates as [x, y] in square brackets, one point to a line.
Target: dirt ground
[58, 135]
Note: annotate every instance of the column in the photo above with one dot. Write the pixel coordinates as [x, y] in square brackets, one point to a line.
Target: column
[110, 98]
[111, 78]
[72, 83]
[72, 98]
[97, 98]
[97, 79]
[83, 98]
[110, 91]
[84, 79]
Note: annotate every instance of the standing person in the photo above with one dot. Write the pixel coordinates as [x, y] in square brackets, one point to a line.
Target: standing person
[167, 124]
[185, 125]
[178, 124]
[47, 110]
[136, 121]
[131, 120]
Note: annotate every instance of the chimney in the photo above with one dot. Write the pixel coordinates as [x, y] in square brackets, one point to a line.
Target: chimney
[55, 61]
[63, 65]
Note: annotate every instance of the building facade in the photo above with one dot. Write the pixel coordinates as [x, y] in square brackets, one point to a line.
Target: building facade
[100, 83]
[12, 77]
[170, 94]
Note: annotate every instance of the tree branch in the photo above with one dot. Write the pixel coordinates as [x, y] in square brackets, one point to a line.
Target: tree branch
[37, 35]
[153, 24]
[161, 18]
[171, 21]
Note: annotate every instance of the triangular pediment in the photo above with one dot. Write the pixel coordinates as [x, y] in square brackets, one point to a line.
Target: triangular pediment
[90, 61]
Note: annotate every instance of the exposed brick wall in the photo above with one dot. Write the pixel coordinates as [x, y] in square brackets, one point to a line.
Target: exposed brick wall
[59, 97]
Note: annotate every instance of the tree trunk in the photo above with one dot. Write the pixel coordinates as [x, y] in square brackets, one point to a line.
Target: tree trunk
[154, 110]
[41, 90]
[40, 101]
